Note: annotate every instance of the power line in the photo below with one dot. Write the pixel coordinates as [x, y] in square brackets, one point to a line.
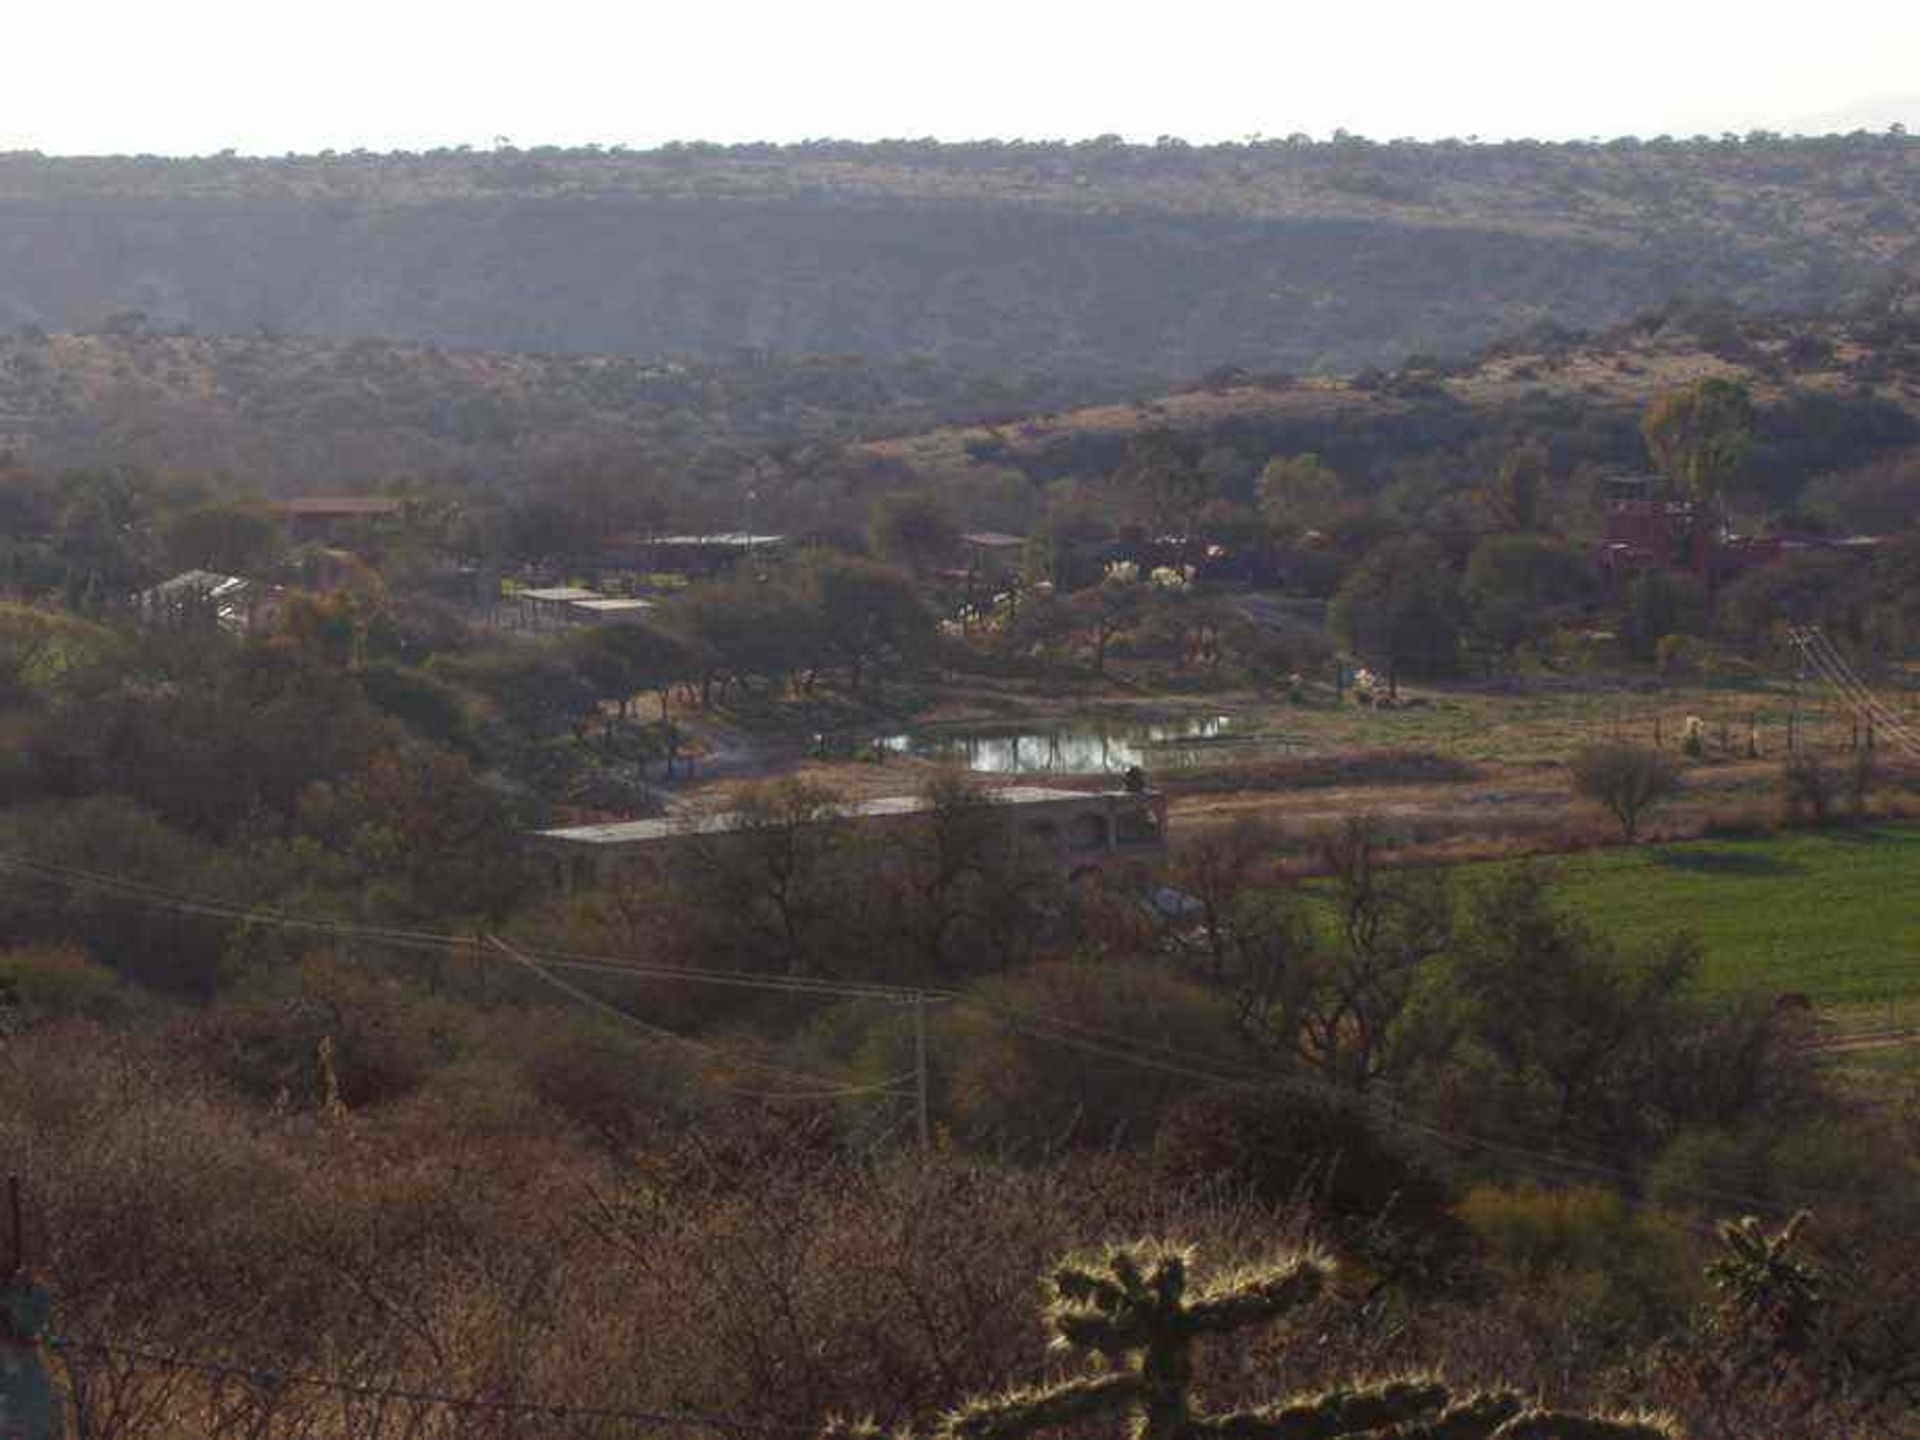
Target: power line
[274, 1380]
[833, 1089]
[1125, 1049]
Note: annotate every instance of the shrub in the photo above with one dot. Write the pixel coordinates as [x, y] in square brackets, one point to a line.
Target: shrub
[1582, 1252]
[1009, 1079]
[1287, 1148]
[385, 1038]
[58, 984]
[615, 1089]
[1809, 789]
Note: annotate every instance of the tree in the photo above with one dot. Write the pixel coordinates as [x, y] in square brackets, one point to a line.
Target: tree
[1338, 997]
[1558, 1007]
[1518, 587]
[1629, 780]
[961, 893]
[1401, 605]
[1101, 612]
[1163, 482]
[914, 529]
[623, 660]
[769, 889]
[868, 615]
[1520, 488]
[1298, 493]
[1699, 436]
[1662, 603]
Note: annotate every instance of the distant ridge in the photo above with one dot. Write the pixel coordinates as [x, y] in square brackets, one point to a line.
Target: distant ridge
[1086, 258]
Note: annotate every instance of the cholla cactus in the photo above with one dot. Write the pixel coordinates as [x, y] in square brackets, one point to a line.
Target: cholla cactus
[1122, 572]
[1766, 1292]
[1129, 1309]
[1172, 577]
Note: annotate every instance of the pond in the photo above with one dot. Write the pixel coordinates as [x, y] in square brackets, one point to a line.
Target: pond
[1084, 749]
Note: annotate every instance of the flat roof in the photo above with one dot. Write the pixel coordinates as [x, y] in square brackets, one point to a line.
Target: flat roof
[992, 539]
[738, 539]
[632, 832]
[339, 505]
[612, 604]
[561, 595]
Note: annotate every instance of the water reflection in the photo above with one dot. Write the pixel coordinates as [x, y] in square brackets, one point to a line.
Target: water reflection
[1070, 750]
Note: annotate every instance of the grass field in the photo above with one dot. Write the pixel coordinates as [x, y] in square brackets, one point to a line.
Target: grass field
[1834, 915]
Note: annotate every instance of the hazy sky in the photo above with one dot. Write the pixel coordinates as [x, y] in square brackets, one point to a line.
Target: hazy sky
[194, 76]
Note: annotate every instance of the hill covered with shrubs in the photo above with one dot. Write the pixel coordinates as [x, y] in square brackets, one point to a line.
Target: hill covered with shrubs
[1098, 256]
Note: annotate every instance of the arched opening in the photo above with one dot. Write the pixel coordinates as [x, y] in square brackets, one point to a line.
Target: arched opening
[1087, 831]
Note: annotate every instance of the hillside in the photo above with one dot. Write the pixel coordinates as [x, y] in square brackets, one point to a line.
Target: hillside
[294, 414]
[1092, 257]
[1615, 373]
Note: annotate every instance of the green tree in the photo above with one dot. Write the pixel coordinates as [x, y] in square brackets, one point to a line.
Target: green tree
[1299, 493]
[1560, 1009]
[1401, 607]
[1519, 490]
[1699, 436]
[1519, 587]
[870, 616]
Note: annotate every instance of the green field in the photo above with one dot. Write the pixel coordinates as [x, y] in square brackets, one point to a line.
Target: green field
[1835, 915]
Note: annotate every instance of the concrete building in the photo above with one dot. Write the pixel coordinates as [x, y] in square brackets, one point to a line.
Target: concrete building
[1119, 835]
[200, 598]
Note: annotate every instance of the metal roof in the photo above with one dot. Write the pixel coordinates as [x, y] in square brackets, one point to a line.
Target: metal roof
[340, 505]
[631, 832]
[612, 604]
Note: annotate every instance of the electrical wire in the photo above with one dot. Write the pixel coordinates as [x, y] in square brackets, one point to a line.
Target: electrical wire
[1148, 1054]
[272, 1380]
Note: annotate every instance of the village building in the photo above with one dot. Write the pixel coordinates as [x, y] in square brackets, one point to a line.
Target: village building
[203, 599]
[1116, 835]
[329, 517]
[558, 607]
[692, 556]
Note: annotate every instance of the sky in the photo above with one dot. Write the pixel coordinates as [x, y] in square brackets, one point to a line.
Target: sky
[200, 76]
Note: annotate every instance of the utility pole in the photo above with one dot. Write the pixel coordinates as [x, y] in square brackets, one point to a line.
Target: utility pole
[1799, 673]
[920, 1072]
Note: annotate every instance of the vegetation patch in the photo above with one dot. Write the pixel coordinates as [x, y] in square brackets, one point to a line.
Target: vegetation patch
[1830, 915]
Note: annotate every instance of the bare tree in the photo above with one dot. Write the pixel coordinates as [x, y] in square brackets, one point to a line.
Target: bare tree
[1629, 780]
